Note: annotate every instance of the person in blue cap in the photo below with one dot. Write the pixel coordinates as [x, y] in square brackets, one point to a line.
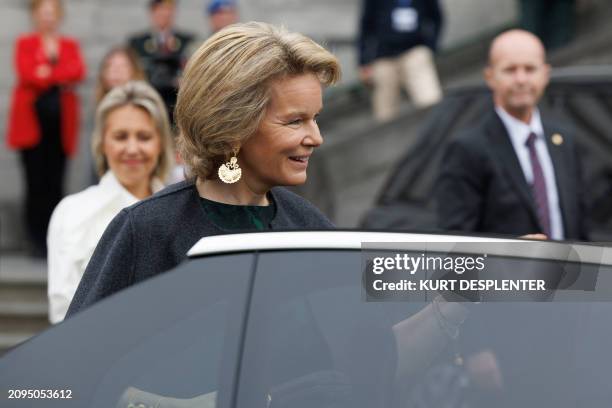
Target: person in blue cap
[221, 13]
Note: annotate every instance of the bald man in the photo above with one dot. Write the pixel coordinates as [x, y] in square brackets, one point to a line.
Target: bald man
[517, 171]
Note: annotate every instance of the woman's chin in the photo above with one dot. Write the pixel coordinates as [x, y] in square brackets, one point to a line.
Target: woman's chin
[295, 180]
[130, 182]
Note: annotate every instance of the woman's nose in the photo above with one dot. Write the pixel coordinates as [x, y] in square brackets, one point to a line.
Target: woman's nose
[314, 137]
[132, 145]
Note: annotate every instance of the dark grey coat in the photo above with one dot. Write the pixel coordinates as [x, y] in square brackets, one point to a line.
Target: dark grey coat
[154, 235]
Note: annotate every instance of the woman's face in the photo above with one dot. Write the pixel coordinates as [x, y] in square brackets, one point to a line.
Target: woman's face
[131, 145]
[277, 154]
[47, 16]
[117, 70]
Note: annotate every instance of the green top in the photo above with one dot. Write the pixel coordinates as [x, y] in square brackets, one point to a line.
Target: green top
[239, 217]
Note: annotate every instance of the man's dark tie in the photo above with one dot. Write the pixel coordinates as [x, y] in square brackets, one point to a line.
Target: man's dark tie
[539, 185]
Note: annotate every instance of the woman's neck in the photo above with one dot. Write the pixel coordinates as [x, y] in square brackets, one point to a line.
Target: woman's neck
[48, 34]
[140, 191]
[236, 194]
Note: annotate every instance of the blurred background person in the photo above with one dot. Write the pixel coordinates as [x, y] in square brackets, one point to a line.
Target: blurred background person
[247, 116]
[163, 51]
[517, 172]
[396, 43]
[551, 20]
[118, 66]
[221, 13]
[44, 114]
[132, 145]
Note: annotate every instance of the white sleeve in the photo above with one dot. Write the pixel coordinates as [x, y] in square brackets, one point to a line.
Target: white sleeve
[63, 270]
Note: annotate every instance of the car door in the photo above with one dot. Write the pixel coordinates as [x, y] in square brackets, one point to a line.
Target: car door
[312, 339]
[173, 339]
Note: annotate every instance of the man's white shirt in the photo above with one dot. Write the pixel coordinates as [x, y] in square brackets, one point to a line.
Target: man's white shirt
[519, 132]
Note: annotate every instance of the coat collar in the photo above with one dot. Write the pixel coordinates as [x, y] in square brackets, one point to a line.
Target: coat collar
[281, 219]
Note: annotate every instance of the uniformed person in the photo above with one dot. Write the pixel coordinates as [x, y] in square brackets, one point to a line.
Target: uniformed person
[163, 51]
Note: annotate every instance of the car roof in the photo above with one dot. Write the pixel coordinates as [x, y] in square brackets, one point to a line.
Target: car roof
[335, 239]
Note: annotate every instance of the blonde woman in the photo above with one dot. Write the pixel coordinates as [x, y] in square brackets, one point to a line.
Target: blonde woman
[247, 115]
[132, 147]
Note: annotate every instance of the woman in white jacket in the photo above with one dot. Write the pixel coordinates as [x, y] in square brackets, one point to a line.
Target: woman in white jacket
[132, 146]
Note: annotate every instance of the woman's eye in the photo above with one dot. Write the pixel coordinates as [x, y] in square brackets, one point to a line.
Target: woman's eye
[143, 137]
[295, 122]
[120, 136]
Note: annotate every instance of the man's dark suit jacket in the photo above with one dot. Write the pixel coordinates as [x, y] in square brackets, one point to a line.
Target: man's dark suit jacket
[482, 188]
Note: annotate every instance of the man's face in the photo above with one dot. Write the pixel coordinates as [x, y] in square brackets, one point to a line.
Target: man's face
[517, 72]
[162, 16]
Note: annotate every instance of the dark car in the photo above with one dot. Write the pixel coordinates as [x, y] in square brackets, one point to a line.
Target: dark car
[291, 319]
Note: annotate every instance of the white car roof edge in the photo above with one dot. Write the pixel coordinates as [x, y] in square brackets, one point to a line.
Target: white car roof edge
[305, 240]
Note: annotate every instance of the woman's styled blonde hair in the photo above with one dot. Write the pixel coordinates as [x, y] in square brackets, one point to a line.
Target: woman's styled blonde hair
[142, 95]
[225, 90]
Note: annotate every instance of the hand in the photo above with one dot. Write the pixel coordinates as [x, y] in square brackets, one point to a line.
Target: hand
[540, 237]
[484, 370]
[43, 71]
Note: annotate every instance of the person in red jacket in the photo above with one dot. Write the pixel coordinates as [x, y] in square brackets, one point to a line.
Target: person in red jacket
[44, 113]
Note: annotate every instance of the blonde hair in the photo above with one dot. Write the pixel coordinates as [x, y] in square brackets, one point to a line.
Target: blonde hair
[137, 71]
[142, 95]
[225, 89]
[34, 4]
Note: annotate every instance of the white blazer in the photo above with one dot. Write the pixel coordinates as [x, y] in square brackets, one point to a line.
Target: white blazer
[75, 228]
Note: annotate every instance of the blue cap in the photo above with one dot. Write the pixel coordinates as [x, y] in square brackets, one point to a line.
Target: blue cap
[216, 5]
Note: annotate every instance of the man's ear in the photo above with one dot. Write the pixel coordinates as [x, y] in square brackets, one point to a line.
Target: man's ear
[547, 69]
[488, 74]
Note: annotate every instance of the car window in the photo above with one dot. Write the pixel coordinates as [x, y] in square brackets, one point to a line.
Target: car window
[313, 340]
[171, 340]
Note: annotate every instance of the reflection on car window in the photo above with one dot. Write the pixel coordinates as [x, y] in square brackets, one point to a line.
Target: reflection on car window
[189, 349]
[181, 361]
[312, 341]
[171, 341]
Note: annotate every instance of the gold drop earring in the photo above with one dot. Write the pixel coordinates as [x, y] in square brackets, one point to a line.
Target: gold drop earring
[230, 172]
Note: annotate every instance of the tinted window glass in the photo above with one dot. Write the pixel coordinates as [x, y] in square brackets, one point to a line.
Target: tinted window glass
[173, 339]
[312, 340]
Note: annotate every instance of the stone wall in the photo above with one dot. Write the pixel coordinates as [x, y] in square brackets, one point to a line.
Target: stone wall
[100, 24]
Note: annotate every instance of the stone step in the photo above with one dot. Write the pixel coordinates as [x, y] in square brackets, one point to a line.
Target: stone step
[20, 324]
[23, 298]
[22, 318]
[16, 267]
[22, 292]
[23, 309]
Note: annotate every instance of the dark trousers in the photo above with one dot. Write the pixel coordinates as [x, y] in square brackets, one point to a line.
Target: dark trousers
[44, 167]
